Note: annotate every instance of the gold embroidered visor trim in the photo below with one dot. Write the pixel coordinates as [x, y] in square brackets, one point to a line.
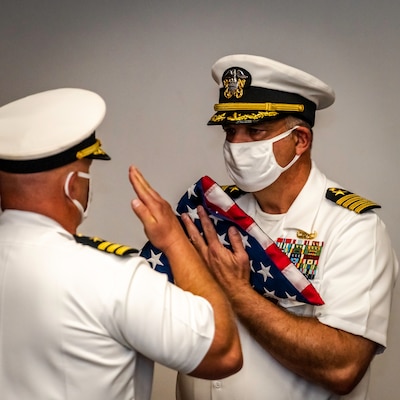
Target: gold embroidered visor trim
[93, 149]
[259, 107]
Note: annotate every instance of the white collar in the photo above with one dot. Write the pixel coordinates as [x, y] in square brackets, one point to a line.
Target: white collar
[32, 219]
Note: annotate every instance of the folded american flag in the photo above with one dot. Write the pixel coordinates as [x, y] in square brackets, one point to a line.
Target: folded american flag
[272, 273]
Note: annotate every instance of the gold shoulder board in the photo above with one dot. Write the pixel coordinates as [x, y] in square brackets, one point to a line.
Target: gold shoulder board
[350, 200]
[233, 191]
[104, 245]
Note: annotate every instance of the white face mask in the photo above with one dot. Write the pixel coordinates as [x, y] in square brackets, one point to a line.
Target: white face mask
[83, 211]
[252, 165]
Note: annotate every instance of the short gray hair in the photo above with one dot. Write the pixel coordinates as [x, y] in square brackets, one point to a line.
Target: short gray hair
[292, 121]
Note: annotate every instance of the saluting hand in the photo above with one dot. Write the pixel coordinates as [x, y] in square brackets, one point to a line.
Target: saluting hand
[157, 216]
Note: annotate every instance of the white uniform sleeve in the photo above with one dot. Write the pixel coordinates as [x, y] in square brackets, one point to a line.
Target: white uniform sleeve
[359, 272]
[156, 318]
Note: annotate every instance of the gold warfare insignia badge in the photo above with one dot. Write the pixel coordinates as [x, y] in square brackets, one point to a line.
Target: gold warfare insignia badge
[350, 200]
[234, 81]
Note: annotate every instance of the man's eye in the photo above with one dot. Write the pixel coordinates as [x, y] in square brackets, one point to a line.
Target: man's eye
[229, 131]
[254, 131]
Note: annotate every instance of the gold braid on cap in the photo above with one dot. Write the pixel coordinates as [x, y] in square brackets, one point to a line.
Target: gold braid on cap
[93, 149]
[259, 107]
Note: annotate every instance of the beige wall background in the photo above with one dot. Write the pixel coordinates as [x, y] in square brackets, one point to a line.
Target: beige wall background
[151, 60]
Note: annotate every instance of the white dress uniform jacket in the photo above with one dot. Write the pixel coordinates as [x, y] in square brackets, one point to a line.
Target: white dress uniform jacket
[79, 323]
[355, 276]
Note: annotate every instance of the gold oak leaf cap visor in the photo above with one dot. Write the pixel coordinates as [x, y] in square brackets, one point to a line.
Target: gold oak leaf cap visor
[50, 129]
[254, 89]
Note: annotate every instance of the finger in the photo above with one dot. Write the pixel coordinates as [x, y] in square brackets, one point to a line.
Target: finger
[136, 177]
[208, 227]
[236, 240]
[142, 212]
[142, 188]
[191, 229]
[239, 251]
[138, 181]
[194, 235]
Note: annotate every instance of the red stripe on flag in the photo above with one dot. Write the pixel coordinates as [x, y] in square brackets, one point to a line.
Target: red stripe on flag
[280, 259]
[312, 295]
[207, 183]
[242, 219]
[235, 213]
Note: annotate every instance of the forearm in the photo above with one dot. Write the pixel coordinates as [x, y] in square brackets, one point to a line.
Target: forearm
[329, 357]
[191, 274]
[161, 226]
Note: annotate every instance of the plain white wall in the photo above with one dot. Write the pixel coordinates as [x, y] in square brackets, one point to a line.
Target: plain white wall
[151, 62]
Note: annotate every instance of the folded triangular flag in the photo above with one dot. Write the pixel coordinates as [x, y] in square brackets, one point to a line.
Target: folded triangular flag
[272, 273]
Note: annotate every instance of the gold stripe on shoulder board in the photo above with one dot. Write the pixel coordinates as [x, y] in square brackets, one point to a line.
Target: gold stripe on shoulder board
[104, 245]
[350, 200]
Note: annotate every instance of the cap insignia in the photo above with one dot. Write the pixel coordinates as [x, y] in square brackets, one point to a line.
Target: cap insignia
[234, 81]
[350, 200]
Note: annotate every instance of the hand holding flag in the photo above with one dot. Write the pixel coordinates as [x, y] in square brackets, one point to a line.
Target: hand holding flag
[272, 274]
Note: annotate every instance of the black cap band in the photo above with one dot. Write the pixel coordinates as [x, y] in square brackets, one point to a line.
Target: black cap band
[51, 162]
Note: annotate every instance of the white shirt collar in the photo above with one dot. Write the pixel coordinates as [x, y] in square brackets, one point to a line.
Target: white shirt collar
[32, 219]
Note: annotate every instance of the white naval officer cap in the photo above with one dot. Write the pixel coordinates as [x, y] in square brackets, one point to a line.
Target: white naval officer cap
[254, 89]
[50, 129]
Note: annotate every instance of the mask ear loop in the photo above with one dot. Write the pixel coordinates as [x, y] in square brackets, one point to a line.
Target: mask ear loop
[89, 199]
[281, 136]
[78, 205]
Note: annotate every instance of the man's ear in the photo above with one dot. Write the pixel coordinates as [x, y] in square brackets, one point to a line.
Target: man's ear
[303, 138]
